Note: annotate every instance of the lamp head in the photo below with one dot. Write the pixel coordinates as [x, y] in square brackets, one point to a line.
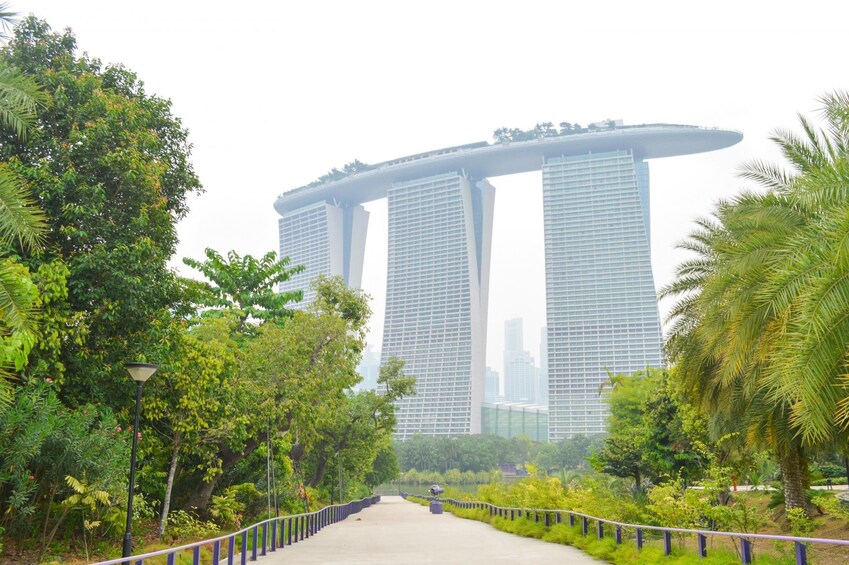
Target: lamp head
[140, 372]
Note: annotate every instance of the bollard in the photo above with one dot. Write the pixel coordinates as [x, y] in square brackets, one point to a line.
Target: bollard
[801, 553]
[746, 551]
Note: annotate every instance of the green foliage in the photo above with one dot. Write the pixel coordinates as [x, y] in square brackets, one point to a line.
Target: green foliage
[183, 524]
[228, 509]
[654, 433]
[760, 328]
[473, 453]
[246, 286]
[800, 523]
[111, 167]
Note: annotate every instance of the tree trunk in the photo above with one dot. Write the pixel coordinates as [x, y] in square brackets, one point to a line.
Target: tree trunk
[794, 472]
[172, 471]
[46, 542]
[318, 474]
[201, 497]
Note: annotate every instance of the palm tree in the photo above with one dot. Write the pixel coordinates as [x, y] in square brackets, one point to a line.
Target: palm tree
[22, 223]
[760, 329]
[724, 330]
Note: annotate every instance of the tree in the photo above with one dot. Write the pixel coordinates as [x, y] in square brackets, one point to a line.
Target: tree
[246, 286]
[362, 425]
[112, 171]
[22, 222]
[759, 330]
[294, 377]
[648, 437]
[194, 400]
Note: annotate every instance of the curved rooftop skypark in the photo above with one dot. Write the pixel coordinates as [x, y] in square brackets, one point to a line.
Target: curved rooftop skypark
[484, 160]
[600, 295]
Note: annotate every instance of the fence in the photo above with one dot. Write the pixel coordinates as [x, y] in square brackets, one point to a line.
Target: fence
[259, 539]
[640, 533]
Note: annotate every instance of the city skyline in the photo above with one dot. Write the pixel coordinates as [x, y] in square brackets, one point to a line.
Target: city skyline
[602, 314]
[690, 67]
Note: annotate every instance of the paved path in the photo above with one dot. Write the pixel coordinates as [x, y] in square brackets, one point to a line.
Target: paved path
[395, 531]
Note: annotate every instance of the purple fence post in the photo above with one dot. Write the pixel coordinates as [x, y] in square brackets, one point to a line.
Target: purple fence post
[536, 516]
[618, 535]
[512, 514]
[171, 557]
[196, 555]
[264, 537]
[571, 519]
[547, 519]
[600, 529]
[216, 552]
[289, 533]
[702, 545]
[801, 553]
[231, 549]
[273, 536]
[302, 527]
[667, 542]
[585, 525]
[746, 551]
[639, 538]
[244, 547]
[255, 535]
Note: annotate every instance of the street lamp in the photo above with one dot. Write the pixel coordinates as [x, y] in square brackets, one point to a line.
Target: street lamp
[339, 465]
[140, 372]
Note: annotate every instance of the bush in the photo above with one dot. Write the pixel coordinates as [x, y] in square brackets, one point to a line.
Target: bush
[182, 525]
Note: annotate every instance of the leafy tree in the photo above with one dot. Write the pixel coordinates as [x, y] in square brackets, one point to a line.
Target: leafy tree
[246, 286]
[362, 425]
[193, 398]
[648, 437]
[294, 377]
[112, 171]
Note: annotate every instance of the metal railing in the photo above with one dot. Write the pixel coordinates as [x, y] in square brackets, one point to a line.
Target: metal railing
[260, 538]
[602, 526]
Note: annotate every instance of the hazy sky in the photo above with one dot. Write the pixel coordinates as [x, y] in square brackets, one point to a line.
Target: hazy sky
[276, 93]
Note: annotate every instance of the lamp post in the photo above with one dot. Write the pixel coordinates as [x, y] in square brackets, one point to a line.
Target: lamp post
[339, 466]
[140, 372]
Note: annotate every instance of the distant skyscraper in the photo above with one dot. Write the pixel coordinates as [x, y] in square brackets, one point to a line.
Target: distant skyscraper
[514, 339]
[600, 295]
[520, 381]
[542, 398]
[369, 370]
[492, 386]
[437, 286]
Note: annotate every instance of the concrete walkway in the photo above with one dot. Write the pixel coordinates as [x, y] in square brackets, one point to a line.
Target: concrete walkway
[395, 531]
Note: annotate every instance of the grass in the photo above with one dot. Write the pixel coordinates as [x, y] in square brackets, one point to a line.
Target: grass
[608, 550]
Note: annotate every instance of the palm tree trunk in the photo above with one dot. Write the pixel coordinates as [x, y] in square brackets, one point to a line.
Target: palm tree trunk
[794, 471]
[172, 471]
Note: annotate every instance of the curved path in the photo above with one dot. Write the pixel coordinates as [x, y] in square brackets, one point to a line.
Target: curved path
[396, 531]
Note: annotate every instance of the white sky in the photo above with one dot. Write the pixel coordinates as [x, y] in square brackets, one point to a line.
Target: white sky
[276, 93]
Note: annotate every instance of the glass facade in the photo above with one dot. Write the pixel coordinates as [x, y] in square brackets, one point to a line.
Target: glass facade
[601, 306]
[515, 420]
[436, 300]
[327, 239]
